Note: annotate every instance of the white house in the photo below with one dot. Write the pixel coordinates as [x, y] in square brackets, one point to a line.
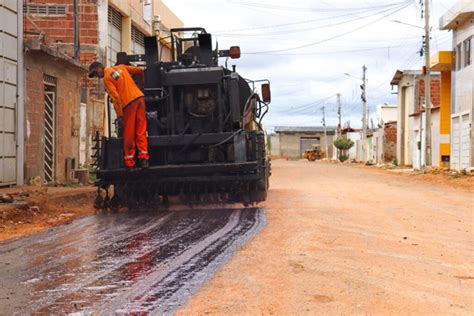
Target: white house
[460, 20]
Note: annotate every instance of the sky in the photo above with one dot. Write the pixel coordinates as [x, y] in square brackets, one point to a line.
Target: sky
[312, 50]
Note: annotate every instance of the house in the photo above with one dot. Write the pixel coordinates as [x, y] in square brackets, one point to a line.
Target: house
[52, 113]
[410, 116]
[460, 20]
[386, 113]
[74, 36]
[384, 143]
[11, 93]
[295, 140]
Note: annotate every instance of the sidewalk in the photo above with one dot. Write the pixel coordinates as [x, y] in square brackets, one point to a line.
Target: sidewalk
[437, 176]
[27, 209]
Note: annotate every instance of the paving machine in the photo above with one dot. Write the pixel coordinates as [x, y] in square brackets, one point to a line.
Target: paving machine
[205, 135]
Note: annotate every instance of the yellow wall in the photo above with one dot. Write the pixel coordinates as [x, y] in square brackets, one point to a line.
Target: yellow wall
[445, 126]
[445, 114]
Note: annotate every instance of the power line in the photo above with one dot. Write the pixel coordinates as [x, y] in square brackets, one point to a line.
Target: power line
[333, 37]
[286, 32]
[289, 8]
[334, 52]
[300, 22]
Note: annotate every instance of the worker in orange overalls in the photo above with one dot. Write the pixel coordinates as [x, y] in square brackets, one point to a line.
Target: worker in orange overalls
[130, 108]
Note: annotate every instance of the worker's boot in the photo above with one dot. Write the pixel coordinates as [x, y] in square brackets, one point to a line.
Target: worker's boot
[143, 163]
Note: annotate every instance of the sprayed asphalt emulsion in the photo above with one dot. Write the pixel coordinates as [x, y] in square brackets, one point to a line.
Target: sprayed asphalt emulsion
[121, 263]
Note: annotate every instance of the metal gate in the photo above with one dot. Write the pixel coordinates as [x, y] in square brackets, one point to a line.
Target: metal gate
[49, 128]
[460, 141]
[9, 55]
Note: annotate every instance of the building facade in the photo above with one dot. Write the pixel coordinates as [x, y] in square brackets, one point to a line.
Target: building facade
[52, 140]
[294, 141]
[79, 32]
[11, 93]
[410, 117]
[460, 20]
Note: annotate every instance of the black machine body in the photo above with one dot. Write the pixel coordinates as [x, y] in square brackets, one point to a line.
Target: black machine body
[204, 121]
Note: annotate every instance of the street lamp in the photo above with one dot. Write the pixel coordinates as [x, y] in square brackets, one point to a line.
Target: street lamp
[412, 25]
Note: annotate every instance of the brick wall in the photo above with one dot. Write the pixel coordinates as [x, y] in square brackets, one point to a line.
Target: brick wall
[435, 92]
[58, 32]
[67, 112]
[390, 142]
[60, 29]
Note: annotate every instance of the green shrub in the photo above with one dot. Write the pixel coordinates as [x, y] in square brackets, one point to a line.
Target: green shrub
[343, 157]
[343, 143]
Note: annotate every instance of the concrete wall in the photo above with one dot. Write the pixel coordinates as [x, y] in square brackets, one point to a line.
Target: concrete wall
[290, 143]
[275, 145]
[355, 137]
[67, 113]
[387, 113]
[435, 139]
[406, 106]
[410, 99]
[463, 79]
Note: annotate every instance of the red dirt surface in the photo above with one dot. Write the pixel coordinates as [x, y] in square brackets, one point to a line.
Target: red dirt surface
[36, 208]
[352, 240]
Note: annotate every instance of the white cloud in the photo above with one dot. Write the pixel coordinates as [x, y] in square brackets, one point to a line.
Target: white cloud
[301, 76]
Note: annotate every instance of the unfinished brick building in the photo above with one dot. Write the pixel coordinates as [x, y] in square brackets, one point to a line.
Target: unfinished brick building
[73, 33]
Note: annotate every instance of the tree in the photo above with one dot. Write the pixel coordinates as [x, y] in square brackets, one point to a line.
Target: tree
[343, 144]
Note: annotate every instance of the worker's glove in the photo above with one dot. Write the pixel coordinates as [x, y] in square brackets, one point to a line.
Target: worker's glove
[119, 126]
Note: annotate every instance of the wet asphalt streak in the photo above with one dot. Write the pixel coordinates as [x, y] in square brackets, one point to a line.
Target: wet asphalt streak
[121, 263]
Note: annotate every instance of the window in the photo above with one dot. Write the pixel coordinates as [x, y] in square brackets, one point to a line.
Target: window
[467, 52]
[45, 9]
[115, 35]
[138, 41]
[458, 57]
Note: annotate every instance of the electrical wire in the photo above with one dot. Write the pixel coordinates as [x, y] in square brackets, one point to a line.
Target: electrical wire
[286, 32]
[299, 9]
[333, 37]
[295, 23]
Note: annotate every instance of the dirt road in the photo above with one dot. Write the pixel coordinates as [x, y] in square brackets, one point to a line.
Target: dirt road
[345, 240]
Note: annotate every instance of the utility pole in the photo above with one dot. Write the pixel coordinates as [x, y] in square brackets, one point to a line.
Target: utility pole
[339, 126]
[427, 86]
[323, 109]
[363, 87]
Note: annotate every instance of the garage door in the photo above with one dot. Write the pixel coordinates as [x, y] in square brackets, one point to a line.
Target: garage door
[465, 132]
[460, 141]
[307, 143]
[8, 90]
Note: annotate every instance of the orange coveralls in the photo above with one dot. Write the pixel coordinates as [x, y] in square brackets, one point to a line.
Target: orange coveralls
[128, 103]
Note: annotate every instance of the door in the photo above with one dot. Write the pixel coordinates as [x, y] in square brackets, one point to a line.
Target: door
[455, 143]
[465, 141]
[8, 91]
[460, 141]
[83, 135]
[49, 161]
